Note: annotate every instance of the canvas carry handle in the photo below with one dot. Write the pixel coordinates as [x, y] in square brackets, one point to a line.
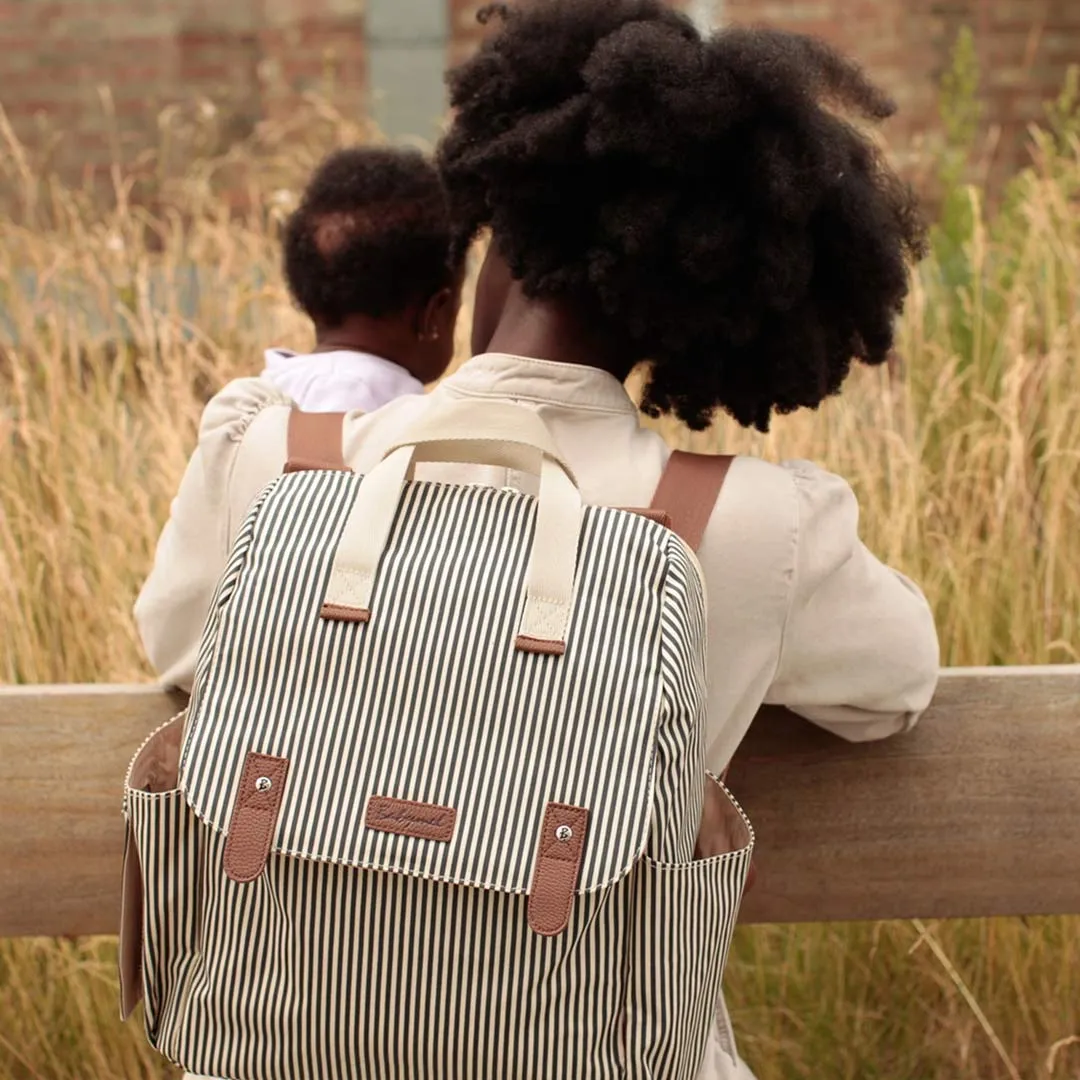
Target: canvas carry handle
[483, 433]
[511, 433]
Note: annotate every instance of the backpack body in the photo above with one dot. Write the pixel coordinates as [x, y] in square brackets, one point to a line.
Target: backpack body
[405, 846]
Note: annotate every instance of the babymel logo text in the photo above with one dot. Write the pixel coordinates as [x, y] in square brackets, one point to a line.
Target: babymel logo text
[424, 821]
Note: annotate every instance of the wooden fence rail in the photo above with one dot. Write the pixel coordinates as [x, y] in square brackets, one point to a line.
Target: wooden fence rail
[976, 812]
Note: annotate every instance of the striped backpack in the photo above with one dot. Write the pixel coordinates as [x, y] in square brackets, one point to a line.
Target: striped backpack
[435, 808]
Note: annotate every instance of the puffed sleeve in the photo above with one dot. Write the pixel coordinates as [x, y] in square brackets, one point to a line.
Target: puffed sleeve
[240, 449]
[860, 652]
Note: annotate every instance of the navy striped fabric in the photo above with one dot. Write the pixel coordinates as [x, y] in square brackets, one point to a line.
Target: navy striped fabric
[363, 953]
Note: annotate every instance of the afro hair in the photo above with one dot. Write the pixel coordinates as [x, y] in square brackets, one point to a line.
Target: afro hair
[709, 200]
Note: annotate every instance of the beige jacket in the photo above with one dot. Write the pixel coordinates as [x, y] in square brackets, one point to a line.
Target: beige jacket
[801, 613]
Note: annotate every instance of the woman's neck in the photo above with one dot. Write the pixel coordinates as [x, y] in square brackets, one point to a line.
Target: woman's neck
[550, 330]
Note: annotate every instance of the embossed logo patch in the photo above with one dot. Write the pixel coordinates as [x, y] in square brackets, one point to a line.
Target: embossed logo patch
[425, 821]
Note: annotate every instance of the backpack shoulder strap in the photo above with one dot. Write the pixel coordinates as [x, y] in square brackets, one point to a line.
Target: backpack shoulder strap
[315, 442]
[688, 491]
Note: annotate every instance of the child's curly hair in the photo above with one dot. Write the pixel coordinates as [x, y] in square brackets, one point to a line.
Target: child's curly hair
[704, 198]
[371, 235]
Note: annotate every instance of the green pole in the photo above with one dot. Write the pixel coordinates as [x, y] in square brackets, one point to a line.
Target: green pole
[407, 49]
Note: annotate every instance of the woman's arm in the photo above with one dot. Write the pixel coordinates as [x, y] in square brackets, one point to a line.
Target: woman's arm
[860, 651]
[241, 448]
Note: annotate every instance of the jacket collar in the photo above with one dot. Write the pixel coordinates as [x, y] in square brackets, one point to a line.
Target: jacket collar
[544, 382]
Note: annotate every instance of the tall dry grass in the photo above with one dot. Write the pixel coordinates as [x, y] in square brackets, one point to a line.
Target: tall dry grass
[966, 462]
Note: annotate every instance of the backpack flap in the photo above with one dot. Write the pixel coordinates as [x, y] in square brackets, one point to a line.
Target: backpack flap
[425, 740]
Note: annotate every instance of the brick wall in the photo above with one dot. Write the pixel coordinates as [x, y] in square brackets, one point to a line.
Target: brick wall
[901, 47]
[250, 57]
[1025, 49]
[1024, 57]
[254, 57]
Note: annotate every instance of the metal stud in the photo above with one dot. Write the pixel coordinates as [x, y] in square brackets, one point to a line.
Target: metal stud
[564, 833]
[264, 783]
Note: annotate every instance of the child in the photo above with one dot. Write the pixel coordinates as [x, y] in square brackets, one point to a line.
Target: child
[367, 258]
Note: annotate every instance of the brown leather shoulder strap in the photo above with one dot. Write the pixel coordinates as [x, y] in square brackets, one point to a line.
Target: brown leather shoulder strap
[688, 491]
[315, 442]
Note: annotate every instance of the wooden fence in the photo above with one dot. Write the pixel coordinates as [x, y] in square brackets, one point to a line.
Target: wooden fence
[976, 812]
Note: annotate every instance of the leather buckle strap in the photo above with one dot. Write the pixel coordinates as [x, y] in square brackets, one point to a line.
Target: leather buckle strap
[560, 852]
[314, 442]
[688, 491]
[255, 816]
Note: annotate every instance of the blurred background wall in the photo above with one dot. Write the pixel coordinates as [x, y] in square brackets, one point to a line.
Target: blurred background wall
[385, 58]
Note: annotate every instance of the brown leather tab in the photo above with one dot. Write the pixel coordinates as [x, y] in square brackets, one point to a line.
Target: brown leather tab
[315, 442]
[425, 821]
[344, 613]
[129, 955]
[540, 646]
[688, 491]
[558, 864]
[255, 815]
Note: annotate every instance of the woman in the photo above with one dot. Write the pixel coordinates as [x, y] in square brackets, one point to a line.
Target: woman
[698, 206]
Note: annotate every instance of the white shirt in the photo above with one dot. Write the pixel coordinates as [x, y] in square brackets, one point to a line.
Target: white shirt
[338, 381]
[800, 612]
